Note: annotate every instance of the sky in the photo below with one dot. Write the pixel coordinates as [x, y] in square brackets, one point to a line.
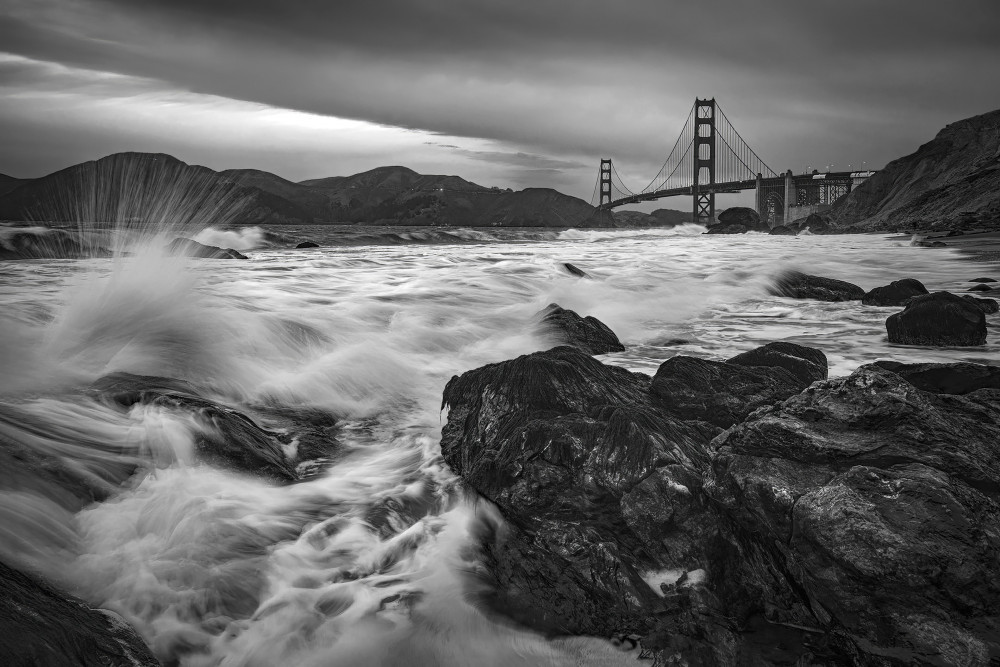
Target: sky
[506, 93]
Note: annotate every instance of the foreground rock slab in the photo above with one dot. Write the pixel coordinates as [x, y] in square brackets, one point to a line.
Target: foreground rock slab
[940, 319]
[876, 499]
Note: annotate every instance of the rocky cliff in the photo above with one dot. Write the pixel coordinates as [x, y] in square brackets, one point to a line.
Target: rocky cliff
[951, 182]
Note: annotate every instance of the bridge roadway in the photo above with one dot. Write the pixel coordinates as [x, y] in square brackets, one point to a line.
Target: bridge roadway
[800, 180]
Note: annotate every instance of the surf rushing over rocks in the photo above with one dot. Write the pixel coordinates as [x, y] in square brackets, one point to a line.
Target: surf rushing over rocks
[246, 463]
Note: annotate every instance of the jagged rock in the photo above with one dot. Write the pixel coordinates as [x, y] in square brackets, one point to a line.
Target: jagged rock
[38, 243]
[724, 393]
[783, 230]
[895, 293]
[556, 439]
[940, 318]
[807, 364]
[980, 288]
[580, 273]
[988, 306]
[226, 438]
[798, 285]
[983, 280]
[741, 215]
[587, 333]
[189, 248]
[815, 223]
[951, 378]
[44, 628]
[872, 497]
[308, 244]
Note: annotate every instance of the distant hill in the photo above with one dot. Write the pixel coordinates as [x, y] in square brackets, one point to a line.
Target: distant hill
[951, 182]
[144, 186]
[8, 183]
[140, 187]
[661, 217]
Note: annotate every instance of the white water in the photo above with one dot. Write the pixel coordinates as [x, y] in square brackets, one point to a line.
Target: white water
[217, 569]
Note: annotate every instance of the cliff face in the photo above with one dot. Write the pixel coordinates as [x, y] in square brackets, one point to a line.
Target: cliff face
[951, 182]
[132, 187]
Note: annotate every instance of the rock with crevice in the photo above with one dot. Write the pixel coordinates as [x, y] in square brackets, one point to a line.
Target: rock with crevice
[938, 319]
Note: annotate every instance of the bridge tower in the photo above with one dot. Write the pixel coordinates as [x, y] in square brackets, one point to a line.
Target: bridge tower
[704, 161]
[605, 183]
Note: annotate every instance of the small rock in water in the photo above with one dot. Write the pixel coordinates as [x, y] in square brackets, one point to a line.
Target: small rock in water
[189, 248]
[895, 293]
[988, 306]
[980, 288]
[308, 244]
[983, 280]
[798, 285]
[587, 333]
[575, 270]
[941, 319]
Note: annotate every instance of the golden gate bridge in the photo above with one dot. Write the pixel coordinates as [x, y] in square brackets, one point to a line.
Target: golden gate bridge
[709, 158]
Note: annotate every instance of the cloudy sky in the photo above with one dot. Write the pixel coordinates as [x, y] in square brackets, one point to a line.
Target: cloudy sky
[504, 93]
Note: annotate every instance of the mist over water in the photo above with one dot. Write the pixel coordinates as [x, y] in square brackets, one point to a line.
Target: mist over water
[215, 568]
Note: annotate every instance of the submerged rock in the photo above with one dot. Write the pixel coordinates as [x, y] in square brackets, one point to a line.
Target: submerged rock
[44, 628]
[308, 244]
[783, 230]
[895, 293]
[980, 288]
[798, 285]
[587, 333]
[223, 436]
[941, 319]
[983, 280]
[870, 497]
[576, 271]
[189, 248]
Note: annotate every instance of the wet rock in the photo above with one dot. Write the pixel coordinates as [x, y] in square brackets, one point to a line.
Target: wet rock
[189, 248]
[223, 436]
[981, 288]
[728, 228]
[556, 439]
[568, 328]
[308, 244]
[723, 393]
[783, 230]
[576, 271]
[807, 364]
[895, 293]
[988, 306]
[948, 378]
[983, 280]
[44, 628]
[870, 496]
[746, 217]
[941, 319]
[815, 223]
[798, 285]
[38, 243]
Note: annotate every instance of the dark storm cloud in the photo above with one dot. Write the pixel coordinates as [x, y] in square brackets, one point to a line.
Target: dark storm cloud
[815, 81]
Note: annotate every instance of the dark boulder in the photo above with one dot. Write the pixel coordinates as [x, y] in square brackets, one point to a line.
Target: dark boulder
[728, 228]
[871, 497]
[815, 223]
[807, 364]
[189, 248]
[41, 627]
[225, 437]
[587, 333]
[983, 280]
[896, 293]
[576, 271]
[724, 393]
[557, 440]
[988, 306]
[950, 378]
[941, 319]
[742, 215]
[308, 244]
[798, 285]
[39, 243]
[980, 288]
[783, 230]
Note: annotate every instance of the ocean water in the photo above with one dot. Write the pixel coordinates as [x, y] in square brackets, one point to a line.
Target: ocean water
[215, 568]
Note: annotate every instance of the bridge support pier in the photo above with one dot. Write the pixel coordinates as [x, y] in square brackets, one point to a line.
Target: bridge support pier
[604, 177]
[791, 197]
[759, 197]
